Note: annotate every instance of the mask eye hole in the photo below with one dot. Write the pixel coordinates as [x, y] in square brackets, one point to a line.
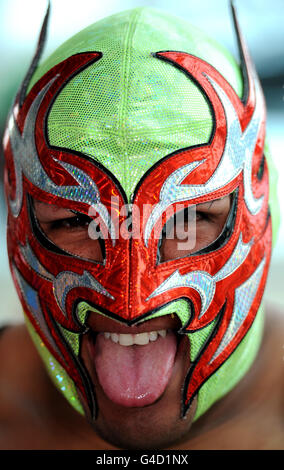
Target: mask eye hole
[69, 231]
[198, 229]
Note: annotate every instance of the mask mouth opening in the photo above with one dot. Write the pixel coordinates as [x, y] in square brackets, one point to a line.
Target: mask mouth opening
[161, 339]
[142, 358]
[113, 329]
[172, 317]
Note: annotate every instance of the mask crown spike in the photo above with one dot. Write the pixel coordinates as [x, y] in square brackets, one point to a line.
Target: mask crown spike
[36, 58]
[245, 61]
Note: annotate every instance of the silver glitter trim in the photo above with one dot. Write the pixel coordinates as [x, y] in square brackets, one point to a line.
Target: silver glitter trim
[91, 195]
[239, 147]
[65, 281]
[239, 255]
[237, 157]
[244, 297]
[32, 300]
[24, 151]
[171, 192]
[201, 281]
[34, 263]
[27, 162]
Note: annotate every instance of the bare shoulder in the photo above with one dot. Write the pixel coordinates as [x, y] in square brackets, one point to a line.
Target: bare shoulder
[19, 367]
[33, 414]
[22, 401]
[20, 357]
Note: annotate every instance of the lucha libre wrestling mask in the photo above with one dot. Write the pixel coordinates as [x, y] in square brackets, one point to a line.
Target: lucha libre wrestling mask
[141, 110]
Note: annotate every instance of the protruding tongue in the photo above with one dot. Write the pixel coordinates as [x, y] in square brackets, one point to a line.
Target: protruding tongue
[134, 375]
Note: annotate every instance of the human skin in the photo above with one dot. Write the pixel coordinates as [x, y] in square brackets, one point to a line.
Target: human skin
[70, 231]
[157, 425]
[34, 414]
[160, 421]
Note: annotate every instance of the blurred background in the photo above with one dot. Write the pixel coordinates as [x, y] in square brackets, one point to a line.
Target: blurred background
[262, 25]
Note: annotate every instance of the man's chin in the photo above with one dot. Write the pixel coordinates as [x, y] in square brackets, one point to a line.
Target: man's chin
[144, 428]
[157, 425]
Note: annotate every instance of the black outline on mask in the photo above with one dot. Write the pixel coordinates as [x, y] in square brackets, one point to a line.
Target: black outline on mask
[244, 98]
[87, 383]
[190, 147]
[180, 333]
[21, 96]
[220, 241]
[87, 157]
[219, 317]
[51, 246]
[38, 232]
[261, 168]
[134, 321]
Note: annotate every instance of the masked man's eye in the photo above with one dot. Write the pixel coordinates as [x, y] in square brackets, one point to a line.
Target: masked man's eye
[196, 229]
[78, 222]
[69, 231]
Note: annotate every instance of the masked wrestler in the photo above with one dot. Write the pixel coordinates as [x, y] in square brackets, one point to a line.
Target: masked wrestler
[136, 131]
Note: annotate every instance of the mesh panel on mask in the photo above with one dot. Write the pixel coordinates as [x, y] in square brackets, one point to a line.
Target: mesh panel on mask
[58, 375]
[129, 132]
[130, 109]
[233, 369]
[199, 338]
[71, 338]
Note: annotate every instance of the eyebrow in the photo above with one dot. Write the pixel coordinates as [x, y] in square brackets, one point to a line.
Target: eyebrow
[39, 208]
